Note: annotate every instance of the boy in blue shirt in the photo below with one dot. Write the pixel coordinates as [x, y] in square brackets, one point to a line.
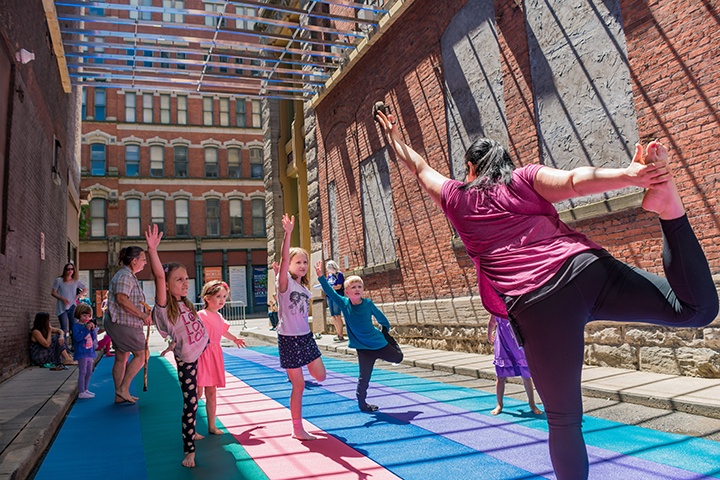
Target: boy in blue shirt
[371, 344]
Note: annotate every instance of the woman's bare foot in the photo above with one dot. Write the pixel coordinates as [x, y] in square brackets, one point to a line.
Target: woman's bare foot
[189, 460]
[662, 198]
[301, 434]
[536, 410]
[215, 431]
[197, 436]
[496, 410]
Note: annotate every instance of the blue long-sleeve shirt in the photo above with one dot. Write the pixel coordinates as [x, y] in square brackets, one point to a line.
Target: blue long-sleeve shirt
[362, 333]
[79, 337]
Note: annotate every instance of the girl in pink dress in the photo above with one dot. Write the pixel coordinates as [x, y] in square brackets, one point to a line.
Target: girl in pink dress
[211, 366]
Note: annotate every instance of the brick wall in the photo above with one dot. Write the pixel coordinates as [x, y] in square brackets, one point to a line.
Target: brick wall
[433, 291]
[40, 112]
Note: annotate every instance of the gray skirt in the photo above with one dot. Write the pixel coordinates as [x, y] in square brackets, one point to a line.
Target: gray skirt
[125, 338]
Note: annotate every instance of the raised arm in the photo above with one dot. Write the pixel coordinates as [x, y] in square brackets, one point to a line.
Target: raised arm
[288, 223]
[557, 185]
[153, 237]
[428, 178]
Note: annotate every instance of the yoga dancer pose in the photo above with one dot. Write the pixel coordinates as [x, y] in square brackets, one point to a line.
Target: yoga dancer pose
[550, 279]
[371, 344]
[175, 315]
[296, 345]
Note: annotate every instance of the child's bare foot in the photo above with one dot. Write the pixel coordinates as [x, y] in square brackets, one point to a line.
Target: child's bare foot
[197, 436]
[189, 460]
[496, 410]
[215, 431]
[301, 434]
[662, 198]
[536, 410]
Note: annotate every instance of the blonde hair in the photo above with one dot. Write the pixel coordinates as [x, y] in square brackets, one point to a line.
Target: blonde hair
[353, 279]
[82, 309]
[173, 307]
[211, 288]
[305, 279]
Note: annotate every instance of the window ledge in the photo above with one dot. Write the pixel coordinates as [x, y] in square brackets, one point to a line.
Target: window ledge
[380, 268]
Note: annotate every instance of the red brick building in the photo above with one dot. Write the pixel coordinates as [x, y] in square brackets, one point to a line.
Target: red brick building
[556, 85]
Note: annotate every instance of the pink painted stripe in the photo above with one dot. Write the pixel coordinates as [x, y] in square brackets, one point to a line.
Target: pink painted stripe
[263, 427]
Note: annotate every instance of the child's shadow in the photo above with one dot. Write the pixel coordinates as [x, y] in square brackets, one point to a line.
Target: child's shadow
[524, 414]
[325, 445]
[395, 418]
[246, 438]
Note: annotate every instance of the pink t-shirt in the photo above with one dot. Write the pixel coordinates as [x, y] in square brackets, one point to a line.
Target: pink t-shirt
[513, 235]
[188, 332]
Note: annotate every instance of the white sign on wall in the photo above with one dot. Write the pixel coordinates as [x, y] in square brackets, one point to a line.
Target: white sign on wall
[84, 277]
[238, 284]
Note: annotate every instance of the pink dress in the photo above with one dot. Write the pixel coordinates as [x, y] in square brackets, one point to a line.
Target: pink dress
[211, 365]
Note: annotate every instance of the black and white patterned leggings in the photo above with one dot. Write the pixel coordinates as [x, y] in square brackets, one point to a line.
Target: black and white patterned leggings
[187, 375]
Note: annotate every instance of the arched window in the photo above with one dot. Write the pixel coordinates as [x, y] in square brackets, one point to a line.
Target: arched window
[258, 218]
[256, 163]
[182, 217]
[97, 159]
[132, 207]
[132, 160]
[211, 162]
[97, 217]
[236, 220]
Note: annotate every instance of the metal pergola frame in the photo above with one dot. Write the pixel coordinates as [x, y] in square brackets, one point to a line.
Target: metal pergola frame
[293, 48]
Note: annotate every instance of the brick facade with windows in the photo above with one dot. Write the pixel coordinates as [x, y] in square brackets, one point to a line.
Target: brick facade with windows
[200, 182]
[39, 179]
[429, 289]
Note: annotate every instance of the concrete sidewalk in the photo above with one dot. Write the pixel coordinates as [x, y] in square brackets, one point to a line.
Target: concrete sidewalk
[33, 403]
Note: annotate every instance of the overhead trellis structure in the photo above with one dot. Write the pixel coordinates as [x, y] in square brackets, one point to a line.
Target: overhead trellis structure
[255, 49]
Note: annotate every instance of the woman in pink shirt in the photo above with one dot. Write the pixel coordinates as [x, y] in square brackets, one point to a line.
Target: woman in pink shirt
[549, 279]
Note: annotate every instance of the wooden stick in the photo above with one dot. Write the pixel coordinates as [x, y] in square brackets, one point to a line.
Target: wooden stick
[147, 350]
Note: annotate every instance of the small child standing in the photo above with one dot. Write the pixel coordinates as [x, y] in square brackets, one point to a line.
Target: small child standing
[296, 345]
[369, 342]
[211, 364]
[175, 315]
[84, 337]
[509, 362]
[273, 312]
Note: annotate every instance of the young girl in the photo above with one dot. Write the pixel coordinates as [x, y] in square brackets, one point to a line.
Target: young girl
[296, 344]
[509, 362]
[174, 315]
[84, 337]
[211, 365]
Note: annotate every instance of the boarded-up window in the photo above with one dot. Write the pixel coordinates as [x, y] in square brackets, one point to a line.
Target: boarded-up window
[377, 209]
[332, 206]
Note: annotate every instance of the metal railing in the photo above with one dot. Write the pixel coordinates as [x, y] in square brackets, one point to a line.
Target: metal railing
[233, 312]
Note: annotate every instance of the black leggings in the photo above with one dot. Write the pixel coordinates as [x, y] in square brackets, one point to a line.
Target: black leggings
[187, 375]
[366, 361]
[553, 328]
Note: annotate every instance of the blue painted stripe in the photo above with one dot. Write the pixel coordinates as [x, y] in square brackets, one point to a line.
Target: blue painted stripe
[73, 454]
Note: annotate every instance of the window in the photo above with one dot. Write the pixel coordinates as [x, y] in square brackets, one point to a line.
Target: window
[157, 213]
[223, 59]
[98, 58]
[132, 205]
[171, 16]
[182, 217]
[130, 104]
[133, 14]
[146, 15]
[234, 167]
[148, 53]
[97, 217]
[97, 159]
[256, 163]
[147, 107]
[245, 24]
[131, 54]
[217, 8]
[164, 54]
[164, 108]
[212, 213]
[240, 108]
[181, 161]
[224, 112]
[132, 160]
[255, 73]
[157, 161]
[236, 224]
[100, 104]
[182, 109]
[207, 110]
[256, 114]
[84, 103]
[258, 218]
[181, 56]
[211, 162]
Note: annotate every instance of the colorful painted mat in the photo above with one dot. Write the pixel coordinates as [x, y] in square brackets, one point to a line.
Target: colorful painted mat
[425, 429]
